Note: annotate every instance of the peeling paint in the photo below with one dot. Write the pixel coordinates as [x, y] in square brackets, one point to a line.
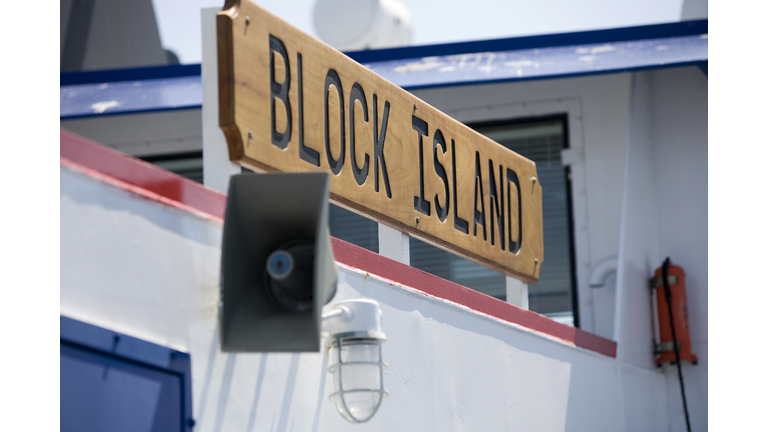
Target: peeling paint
[541, 62]
[100, 107]
[520, 63]
[433, 71]
[603, 49]
[418, 66]
[487, 68]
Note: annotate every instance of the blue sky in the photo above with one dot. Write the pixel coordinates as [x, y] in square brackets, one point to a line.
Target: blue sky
[439, 22]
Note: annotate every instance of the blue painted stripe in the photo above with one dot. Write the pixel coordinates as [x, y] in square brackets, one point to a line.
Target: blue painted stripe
[656, 31]
[543, 63]
[133, 74]
[129, 97]
[150, 110]
[143, 90]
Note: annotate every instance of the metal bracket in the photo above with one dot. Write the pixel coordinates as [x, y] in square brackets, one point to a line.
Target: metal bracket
[659, 281]
[666, 347]
[570, 156]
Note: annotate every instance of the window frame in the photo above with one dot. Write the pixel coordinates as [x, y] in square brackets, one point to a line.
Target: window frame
[563, 119]
[94, 339]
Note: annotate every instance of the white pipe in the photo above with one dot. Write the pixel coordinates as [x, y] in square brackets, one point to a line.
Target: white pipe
[341, 312]
[600, 271]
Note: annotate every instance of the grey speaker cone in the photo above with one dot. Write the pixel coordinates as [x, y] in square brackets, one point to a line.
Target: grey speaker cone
[286, 212]
[289, 274]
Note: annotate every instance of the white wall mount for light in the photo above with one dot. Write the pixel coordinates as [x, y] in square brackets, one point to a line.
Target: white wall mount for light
[353, 331]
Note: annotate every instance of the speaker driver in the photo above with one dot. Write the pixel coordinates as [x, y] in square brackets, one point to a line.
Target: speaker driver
[289, 275]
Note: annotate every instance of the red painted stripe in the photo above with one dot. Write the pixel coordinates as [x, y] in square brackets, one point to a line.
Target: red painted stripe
[152, 182]
[134, 171]
[357, 257]
[144, 193]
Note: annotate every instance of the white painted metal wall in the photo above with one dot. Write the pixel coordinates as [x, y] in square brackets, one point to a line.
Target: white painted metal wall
[638, 154]
[151, 271]
[665, 214]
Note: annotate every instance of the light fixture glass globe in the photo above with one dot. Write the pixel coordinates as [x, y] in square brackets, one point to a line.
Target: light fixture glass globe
[357, 377]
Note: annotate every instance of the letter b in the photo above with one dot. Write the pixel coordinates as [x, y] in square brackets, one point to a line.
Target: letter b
[279, 91]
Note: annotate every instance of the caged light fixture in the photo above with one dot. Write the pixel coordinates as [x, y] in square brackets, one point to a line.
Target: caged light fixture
[353, 331]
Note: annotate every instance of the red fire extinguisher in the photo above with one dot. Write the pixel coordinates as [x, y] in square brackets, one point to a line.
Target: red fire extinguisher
[672, 306]
[673, 327]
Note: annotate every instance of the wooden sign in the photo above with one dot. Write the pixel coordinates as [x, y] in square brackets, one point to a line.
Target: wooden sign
[288, 102]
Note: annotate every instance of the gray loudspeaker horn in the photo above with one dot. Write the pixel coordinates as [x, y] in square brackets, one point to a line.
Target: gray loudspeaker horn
[277, 263]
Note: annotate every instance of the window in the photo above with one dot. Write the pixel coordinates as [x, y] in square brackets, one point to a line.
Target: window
[189, 165]
[541, 140]
[113, 382]
[353, 228]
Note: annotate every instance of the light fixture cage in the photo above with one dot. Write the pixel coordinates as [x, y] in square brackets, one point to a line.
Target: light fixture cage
[354, 338]
[363, 352]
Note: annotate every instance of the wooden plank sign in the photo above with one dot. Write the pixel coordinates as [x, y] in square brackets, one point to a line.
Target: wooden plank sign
[288, 102]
